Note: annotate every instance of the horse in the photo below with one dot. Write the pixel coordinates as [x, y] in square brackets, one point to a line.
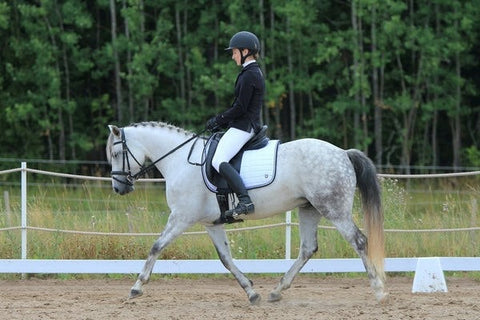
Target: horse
[315, 176]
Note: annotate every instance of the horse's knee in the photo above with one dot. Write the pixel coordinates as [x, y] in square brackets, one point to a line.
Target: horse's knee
[308, 251]
[155, 249]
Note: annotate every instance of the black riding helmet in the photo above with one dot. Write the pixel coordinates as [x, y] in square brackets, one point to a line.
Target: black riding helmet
[245, 40]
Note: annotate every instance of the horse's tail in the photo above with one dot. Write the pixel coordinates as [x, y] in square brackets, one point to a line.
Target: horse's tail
[369, 188]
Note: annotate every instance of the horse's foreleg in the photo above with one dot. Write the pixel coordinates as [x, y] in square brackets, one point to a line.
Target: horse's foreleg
[308, 218]
[171, 231]
[220, 240]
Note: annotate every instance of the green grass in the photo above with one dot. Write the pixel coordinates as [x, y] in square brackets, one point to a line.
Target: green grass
[435, 205]
[93, 207]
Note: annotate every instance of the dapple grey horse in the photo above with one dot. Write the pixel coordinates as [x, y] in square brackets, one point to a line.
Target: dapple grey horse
[314, 176]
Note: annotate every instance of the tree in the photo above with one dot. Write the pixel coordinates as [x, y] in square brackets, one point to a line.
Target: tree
[395, 78]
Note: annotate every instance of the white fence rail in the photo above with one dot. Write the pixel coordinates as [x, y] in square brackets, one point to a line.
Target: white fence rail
[215, 266]
[25, 265]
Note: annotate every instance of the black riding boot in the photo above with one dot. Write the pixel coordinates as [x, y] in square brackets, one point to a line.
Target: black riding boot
[245, 204]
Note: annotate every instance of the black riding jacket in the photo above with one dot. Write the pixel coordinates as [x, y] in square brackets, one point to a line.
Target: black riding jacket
[244, 113]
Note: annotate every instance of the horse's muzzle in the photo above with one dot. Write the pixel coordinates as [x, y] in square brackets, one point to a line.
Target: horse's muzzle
[122, 185]
[123, 189]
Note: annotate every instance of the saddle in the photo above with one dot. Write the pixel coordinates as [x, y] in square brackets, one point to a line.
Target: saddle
[256, 163]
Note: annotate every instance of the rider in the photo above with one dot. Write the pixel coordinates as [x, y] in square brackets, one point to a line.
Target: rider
[242, 119]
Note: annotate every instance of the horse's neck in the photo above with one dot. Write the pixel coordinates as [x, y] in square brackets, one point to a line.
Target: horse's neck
[160, 141]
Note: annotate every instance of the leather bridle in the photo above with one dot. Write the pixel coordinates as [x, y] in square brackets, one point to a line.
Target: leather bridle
[126, 163]
[126, 171]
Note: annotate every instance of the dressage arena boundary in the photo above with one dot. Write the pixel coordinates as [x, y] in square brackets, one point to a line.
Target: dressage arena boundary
[25, 265]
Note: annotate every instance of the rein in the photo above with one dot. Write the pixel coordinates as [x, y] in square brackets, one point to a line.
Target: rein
[131, 178]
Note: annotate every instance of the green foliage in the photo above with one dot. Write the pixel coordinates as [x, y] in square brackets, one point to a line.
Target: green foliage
[319, 57]
[473, 156]
[4, 15]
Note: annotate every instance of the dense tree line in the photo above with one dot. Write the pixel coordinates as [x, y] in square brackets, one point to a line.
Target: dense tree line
[398, 79]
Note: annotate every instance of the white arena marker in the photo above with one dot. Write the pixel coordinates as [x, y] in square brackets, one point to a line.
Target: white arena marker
[429, 276]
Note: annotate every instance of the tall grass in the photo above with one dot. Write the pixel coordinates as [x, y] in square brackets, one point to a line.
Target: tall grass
[92, 206]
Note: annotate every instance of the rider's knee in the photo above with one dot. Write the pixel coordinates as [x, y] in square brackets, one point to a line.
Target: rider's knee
[216, 162]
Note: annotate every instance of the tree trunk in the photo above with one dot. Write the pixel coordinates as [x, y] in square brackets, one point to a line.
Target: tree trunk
[66, 69]
[360, 115]
[377, 102]
[181, 62]
[129, 68]
[456, 123]
[404, 158]
[188, 73]
[146, 100]
[264, 115]
[434, 141]
[61, 124]
[215, 60]
[291, 92]
[362, 80]
[116, 61]
[277, 104]
[410, 116]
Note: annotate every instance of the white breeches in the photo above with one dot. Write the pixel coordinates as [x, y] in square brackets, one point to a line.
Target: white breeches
[229, 145]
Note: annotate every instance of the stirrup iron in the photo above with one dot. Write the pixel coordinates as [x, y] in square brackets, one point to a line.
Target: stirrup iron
[242, 209]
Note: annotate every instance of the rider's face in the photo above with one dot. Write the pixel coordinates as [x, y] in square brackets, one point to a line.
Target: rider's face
[237, 56]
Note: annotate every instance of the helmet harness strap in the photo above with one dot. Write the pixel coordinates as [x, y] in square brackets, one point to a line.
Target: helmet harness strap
[242, 57]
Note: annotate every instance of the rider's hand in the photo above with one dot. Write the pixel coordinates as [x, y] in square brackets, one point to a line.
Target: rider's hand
[212, 124]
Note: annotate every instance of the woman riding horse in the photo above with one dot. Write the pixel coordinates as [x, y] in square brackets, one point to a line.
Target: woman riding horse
[242, 119]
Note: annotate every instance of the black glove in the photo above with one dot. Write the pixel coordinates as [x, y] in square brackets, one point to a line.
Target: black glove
[212, 124]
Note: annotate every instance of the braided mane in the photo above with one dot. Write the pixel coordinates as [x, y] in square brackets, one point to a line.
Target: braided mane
[159, 124]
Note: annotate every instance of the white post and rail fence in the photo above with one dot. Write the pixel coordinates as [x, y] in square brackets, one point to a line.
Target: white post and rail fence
[25, 265]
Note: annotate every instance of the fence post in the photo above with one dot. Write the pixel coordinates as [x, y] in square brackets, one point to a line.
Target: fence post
[24, 209]
[6, 198]
[288, 234]
[473, 222]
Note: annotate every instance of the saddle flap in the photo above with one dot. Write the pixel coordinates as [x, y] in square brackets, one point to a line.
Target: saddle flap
[208, 171]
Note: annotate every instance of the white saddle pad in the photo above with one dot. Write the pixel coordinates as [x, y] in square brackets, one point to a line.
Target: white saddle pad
[258, 167]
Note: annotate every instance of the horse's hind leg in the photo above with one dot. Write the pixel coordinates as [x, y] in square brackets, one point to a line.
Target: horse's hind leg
[308, 219]
[358, 241]
[171, 231]
[219, 238]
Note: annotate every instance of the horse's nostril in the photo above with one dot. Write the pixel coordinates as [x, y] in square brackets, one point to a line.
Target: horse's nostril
[115, 189]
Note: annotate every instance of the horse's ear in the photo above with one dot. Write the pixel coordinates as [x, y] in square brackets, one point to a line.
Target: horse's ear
[114, 129]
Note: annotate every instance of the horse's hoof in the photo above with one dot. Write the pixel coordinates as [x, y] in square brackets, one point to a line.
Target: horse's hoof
[274, 297]
[134, 293]
[382, 297]
[255, 299]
